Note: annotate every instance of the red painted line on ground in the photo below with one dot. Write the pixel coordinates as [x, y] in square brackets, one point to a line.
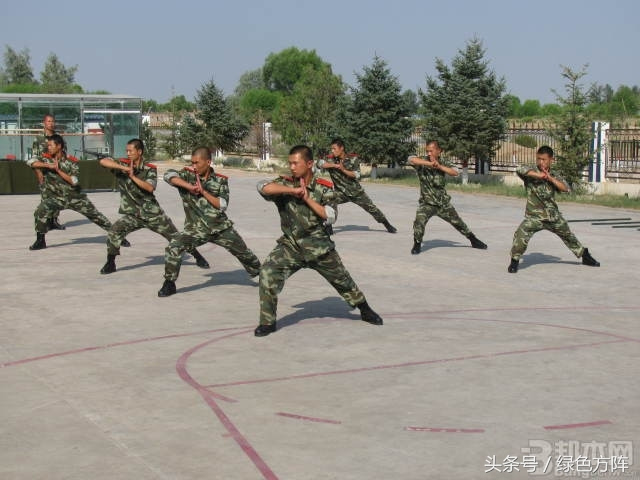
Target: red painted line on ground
[208, 397]
[112, 345]
[444, 430]
[310, 419]
[411, 364]
[577, 425]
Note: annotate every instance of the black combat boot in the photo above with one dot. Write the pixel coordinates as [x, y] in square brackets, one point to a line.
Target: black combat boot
[264, 330]
[55, 225]
[513, 266]
[587, 259]
[390, 228]
[368, 315]
[476, 243]
[110, 266]
[125, 243]
[417, 248]
[39, 244]
[168, 288]
[200, 260]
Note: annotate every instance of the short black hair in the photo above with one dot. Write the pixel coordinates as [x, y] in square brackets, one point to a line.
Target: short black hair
[338, 141]
[434, 142]
[58, 140]
[204, 152]
[137, 144]
[545, 149]
[303, 150]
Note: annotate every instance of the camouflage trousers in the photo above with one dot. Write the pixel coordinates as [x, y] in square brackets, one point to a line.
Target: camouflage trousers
[54, 215]
[284, 261]
[447, 213]
[530, 225]
[79, 202]
[364, 202]
[188, 240]
[160, 224]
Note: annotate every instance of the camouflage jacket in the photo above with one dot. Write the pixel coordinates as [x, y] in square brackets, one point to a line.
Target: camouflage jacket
[541, 201]
[54, 186]
[432, 184]
[199, 213]
[303, 230]
[134, 200]
[342, 182]
[39, 146]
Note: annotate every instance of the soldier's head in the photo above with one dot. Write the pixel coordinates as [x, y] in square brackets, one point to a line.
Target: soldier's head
[49, 123]
[135, 149]
[201, 159]
[55, 144]
[433, 149]
[300, 161]
[337, 147]
[544, 157]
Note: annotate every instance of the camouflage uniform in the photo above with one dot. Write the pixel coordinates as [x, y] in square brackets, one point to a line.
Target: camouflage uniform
[348, 189]
[205, 223]
[38, 150]
[434, 200]
[140, 208]
[305, 244]
[541, 213]
[58, 194]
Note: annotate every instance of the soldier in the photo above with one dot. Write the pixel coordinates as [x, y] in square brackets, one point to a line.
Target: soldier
[305, 204]
[345, 173]
[61, 190]
[542, 211]
[137, 181]
[434, 199]
[39, 149]
[205, 196]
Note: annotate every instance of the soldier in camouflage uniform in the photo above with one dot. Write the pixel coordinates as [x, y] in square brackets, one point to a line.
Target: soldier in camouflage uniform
[137, 180]
[542, 212]
[61, 190]
[40, 148]
[205, 196]
[345, 173]
[305, 204]
[434, 199]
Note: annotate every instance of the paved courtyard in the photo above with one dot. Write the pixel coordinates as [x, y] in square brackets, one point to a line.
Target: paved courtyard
[474, 370]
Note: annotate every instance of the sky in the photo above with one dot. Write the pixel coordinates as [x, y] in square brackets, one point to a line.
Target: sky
[158, 49]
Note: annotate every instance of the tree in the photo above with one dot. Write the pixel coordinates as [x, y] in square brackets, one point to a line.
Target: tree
[178, 103]
[530, 108]
[514, 106]
[308, 114]
[465, 109]
[190, 134]
[282, 70]
[56, 78]
[571, 129]
[17, 67]
[221, 130]
[410, 102]
[259, 101]
[149, 140]
[251, 80]
[377, 126]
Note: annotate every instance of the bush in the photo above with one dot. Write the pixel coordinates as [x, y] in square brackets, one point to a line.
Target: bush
[237, 162]
[525, 141]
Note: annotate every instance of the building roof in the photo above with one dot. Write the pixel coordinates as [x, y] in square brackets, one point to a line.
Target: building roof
[65, 96]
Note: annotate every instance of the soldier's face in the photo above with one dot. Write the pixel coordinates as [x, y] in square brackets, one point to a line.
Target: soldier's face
[337, 150]
[544, 160]
[299, 166]
[433, 151]
[53, 148]
[49, 123]
[133, 153]
[201, 164]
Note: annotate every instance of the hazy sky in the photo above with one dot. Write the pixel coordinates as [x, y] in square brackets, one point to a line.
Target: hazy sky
[146, 48]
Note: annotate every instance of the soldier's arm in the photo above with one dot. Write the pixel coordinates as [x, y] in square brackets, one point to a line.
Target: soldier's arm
[556, 182]
[273, 188]
[173, 178]
[147, 186]
[111, 164]
[316, 207]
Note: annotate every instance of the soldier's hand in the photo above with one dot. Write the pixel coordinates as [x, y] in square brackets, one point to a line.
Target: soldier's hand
[303, 186]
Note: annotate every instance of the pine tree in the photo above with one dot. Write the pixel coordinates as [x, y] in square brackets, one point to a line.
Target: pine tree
[56, 78]
[465, 108]
[571, 130]
[377, 126]
[221, 130]
[17, 67]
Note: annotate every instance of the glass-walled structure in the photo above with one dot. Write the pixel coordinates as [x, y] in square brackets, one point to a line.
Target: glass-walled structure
[89, 123]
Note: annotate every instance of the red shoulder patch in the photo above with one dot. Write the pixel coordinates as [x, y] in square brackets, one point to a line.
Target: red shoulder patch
[222, 176]
[325, 182]
[47, 155]
[126, 161]
[72, 158]
[151, 165]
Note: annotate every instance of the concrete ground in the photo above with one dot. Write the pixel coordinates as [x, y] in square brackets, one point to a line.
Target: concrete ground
[475, 370]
